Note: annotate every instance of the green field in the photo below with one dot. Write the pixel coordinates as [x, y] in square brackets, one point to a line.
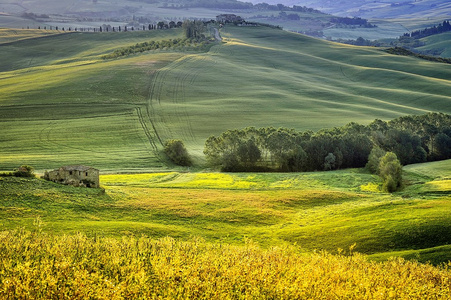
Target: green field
[320, 210]
[60, 103]
[439, 44]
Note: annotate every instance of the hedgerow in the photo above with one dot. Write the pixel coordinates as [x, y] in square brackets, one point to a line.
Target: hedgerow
[184, 44]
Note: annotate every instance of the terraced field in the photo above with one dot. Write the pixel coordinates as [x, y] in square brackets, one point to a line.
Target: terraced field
[60, 103]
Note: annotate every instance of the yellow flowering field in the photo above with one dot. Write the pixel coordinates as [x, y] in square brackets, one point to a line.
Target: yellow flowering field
[34, 265]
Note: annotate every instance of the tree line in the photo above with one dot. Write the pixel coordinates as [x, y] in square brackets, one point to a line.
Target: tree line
[405, 52]
[413, 139]
[407, 40]
[195, 39]
[177, 43]
[441, 28]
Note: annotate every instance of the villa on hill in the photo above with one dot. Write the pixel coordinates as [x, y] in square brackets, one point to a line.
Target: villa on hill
[229, 18]
[75, 175]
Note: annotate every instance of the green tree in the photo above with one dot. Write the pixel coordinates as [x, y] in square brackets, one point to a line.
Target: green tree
[193, 29]
[329, 162]
[295, 160]
[160, 25]
[374, 159]
[390, 170]
[249, 153]
[441, 145]
[177, 153]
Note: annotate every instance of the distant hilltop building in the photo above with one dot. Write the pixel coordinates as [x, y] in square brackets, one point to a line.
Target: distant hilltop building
[229, 18]
[75, 175]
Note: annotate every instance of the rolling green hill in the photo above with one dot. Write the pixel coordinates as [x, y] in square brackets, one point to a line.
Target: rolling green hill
[60, 103]
[319, 210]
[439, 44]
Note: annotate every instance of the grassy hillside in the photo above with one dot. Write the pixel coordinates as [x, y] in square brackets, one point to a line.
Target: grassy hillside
[439, 44]
[439, 170]
[409, 9]
[59, 97]
[321, 210]
[8, 35]
[60, 103]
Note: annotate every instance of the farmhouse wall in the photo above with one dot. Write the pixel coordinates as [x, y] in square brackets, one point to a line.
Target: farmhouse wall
[75, 175]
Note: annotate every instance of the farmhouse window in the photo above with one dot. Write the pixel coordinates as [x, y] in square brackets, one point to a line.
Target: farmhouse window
[86, 173]
[70, 172]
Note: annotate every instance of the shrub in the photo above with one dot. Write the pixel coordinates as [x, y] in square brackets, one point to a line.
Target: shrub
[374, 159]
[177, 153]
[24, 171]
[390, 170]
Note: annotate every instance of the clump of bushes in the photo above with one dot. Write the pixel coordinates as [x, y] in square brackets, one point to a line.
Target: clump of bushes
[177, 153]
[22, 171]
[388, 167]
[178, 44]
[405, 52]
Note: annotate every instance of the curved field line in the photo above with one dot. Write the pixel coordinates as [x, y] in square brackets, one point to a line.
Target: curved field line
[152, 138]
[178, 75]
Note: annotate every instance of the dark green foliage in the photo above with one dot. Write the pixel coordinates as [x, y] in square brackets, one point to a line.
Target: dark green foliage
[374, 159]
[390, 170]
[194, 29]
[295, 160]
[329, 162]
[389, 185]
[177, 153]
[235, 150]
[441, 28]
[174, 44]
[441, 145]
[24, 171]
[249, 153]
[406, 145]
[405, 52]
[413, 139]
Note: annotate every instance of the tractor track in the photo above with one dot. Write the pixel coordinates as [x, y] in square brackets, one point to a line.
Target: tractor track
[153, 139]
[170, 85]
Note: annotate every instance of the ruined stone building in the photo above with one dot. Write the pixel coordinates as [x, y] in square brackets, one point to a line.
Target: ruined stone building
[75, 175]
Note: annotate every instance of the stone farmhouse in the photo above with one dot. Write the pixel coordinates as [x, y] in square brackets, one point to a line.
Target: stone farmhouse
[75, 175]
[228, 18]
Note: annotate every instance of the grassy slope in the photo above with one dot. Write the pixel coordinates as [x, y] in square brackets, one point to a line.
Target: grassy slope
[58, 97]
[8, 35]
[439, 170]
[329, 210]
[440, 43]
[322, 210]
[262, 77]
